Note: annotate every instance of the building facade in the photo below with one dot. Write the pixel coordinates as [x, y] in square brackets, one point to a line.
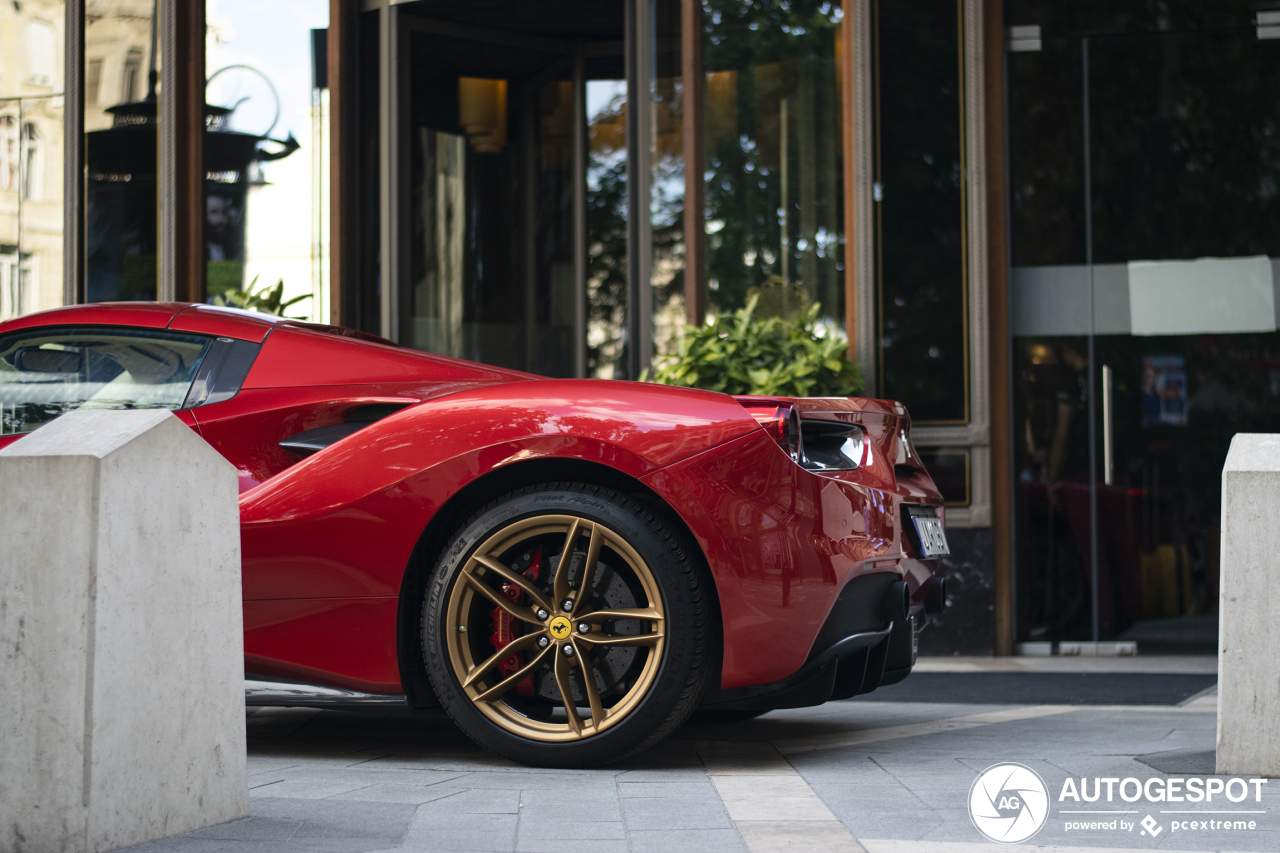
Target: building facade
[1046, 227]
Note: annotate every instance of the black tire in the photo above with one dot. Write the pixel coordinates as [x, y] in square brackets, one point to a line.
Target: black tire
[718, 717]
[675, 670]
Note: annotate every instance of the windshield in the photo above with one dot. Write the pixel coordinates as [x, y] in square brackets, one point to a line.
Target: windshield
[45, 373]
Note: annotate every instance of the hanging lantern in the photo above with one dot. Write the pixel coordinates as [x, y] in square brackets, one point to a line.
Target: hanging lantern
[121, 200]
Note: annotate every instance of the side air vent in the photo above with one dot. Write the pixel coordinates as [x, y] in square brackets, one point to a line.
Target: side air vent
[315, 440]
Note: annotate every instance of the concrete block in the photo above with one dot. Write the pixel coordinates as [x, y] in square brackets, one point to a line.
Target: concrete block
[121, 635]
[1249, 636]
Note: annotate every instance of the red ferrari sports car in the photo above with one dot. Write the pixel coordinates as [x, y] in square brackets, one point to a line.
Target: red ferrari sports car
[571, 568]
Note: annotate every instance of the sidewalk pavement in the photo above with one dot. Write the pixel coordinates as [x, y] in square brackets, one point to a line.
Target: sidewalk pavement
[881, 777]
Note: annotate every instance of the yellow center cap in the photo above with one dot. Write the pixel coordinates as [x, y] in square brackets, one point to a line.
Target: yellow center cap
[560, 627]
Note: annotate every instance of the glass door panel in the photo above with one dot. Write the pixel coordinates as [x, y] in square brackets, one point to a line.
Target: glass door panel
[1182, 158]
[1144, 299]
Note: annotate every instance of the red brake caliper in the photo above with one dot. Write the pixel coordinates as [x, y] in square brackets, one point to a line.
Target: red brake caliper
[504, 625]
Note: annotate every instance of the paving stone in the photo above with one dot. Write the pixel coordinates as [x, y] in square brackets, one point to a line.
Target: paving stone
[472, 802]
[380, 824]
[187, 844]
[667, 813]
[394, 792]
[451, 841]
[480, 833]
[570, 810]
[770, 798]
[459, 763]
[571, 830]
[305, 789]
[601, 796]
[701, 840]
[828, 836]
[263, 779]
[251, 829]
[692, 772]
[666, 789]
[594, 845]
[511, 780]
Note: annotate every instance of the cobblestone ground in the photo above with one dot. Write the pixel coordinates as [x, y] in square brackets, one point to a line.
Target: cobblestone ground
[884, 777]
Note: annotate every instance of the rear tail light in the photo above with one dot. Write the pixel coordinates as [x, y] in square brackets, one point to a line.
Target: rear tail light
[782, 421]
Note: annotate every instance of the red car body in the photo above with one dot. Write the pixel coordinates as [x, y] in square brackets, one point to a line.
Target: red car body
[330, 539]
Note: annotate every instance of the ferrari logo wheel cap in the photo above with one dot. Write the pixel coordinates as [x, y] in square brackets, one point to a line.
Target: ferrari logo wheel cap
[560, 628]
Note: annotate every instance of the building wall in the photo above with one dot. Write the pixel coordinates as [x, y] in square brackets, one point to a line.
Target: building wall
[31, 146]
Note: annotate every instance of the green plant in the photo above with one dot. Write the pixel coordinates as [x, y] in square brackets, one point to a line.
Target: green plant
[268, 300]
[740, 353]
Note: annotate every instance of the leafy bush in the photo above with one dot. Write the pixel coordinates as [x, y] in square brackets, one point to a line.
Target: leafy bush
[740, 353]
[268, 300]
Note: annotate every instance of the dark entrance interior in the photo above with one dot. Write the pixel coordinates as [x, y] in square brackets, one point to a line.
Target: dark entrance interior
[1144, 168]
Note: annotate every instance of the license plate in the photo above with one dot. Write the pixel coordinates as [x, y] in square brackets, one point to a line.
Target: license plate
[933, 539]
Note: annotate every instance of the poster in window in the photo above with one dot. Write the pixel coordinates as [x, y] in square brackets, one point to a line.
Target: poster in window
[1164, 390]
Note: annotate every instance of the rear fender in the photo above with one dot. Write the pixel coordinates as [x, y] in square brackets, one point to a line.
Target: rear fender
[780, 542]
[344, 522]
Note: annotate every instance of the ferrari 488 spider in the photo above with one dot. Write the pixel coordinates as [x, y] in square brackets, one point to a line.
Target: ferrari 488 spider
[571, 568]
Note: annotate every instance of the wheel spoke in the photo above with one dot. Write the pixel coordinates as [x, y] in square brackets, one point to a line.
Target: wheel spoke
[644, 614]
[513, 578]
[620, 639]
[514, 647]
[589, 568]
[510, 681]
[561, 583]
[563, 667]
[524, 614]
[589, 685]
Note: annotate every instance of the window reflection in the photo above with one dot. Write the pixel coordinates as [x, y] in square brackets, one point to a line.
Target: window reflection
[490, 153]
[31, 129]
[921, 210]
[666, 186]
[606, 227]
[120, 149]
[265, 150]
[774, 186]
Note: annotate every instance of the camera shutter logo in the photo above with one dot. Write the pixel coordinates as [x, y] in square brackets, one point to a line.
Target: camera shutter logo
[1008, 803]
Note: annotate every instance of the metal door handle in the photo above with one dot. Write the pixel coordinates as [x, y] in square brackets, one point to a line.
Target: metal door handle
[1108, 458]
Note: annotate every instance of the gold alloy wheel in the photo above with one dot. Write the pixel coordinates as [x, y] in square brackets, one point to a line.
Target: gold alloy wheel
[564, 632]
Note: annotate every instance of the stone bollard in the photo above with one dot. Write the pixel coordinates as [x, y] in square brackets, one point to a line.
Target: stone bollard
[121, 639]
[1249, 605]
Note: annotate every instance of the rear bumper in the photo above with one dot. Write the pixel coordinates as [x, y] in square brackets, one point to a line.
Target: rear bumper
[856, 651]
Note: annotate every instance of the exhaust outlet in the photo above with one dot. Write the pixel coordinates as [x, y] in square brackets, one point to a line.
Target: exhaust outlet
[896, 606]
[935, 600]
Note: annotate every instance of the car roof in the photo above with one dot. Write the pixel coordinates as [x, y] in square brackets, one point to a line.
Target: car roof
[147, 315]
[254, 327]
[176, 316]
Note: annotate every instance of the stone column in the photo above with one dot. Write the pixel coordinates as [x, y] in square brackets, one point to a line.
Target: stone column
[121, 635]
[1249, 636]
